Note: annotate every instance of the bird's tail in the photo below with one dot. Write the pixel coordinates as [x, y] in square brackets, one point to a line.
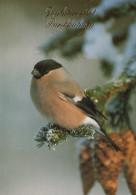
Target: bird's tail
[102, 132]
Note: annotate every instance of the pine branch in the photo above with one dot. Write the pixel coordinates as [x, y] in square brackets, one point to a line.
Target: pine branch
[103, 14]
[100, 95]
[52, 134]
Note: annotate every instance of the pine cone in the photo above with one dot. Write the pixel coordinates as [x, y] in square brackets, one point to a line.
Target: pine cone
[108, 163]
[86, 167]
[101, 162]
[130, 160]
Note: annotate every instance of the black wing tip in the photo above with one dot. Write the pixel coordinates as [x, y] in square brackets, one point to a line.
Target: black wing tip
[107, 137]
[117, 148]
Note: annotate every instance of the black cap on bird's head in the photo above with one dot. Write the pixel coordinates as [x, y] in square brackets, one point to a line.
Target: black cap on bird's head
[44, 67]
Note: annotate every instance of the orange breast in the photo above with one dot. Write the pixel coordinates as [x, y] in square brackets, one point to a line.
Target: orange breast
[46, 100]
[64, 113]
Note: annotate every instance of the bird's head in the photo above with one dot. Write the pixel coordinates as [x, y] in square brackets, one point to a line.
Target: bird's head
[44, 67]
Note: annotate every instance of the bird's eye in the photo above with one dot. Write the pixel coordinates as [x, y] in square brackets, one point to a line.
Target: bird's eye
[36, 73]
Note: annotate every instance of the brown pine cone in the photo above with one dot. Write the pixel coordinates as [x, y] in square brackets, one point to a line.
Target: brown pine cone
[86, 167]
[101, 162]
[108, 163]
[130, 160]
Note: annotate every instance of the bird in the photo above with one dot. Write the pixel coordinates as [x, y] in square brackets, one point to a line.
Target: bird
[61, 100]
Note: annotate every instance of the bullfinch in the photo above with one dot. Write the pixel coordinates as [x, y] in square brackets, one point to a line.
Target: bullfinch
[61, 100]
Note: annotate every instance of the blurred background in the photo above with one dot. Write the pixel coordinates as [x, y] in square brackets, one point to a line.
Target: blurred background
[25, 169]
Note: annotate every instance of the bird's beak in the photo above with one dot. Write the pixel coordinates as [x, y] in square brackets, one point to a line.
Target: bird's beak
[36, 73]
